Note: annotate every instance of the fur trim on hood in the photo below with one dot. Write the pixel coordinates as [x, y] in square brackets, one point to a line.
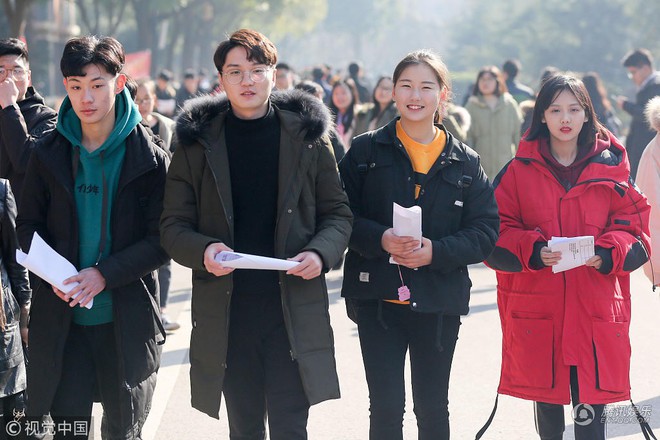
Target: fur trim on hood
[198, 113]
[652, 113]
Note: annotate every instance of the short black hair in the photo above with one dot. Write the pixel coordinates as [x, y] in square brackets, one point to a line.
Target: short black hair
[511, 68]
[638, 58]
[283, 66]
[14, 46]
[354, 68]
[80, 52]
[189, 74]
[166, 75]
[309, 87]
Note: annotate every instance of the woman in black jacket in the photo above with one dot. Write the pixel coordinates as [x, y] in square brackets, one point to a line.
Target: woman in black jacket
[415, 304]
[14, 310]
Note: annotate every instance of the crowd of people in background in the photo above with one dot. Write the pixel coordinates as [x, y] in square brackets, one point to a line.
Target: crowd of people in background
[494, 115]
[132, 171]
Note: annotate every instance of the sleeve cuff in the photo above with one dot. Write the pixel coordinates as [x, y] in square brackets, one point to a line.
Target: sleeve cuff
[535, 261]
[608, 262]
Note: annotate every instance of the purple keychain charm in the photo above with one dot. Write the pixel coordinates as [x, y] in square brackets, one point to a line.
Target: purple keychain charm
[404, 293]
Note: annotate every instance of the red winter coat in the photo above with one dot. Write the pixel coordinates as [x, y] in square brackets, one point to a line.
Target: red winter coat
[579, 317]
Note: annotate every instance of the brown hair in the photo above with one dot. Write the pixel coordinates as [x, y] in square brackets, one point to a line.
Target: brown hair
[258, 47]
[495, 72]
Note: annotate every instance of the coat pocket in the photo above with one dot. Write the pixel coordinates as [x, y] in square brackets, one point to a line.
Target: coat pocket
[530, 352]
[612, 351]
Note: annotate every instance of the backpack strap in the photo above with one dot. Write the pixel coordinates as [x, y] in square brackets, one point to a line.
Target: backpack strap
[643, 424]
[484, 428]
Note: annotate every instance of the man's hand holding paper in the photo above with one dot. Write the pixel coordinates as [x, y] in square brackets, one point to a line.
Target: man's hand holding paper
[47, 264]
[211, 264]
[310, 265]
[90, 282]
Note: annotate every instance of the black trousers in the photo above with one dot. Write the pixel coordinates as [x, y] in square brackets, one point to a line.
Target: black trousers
[387, 331]
[588, 420]
[164, 279]
[262, 381]
[91, 368]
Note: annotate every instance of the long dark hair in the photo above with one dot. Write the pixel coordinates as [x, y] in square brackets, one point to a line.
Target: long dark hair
[348, 116]
[597, 93]
[552, 87]
[377, 109]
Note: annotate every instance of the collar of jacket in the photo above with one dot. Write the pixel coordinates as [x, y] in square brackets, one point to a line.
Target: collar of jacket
[305, 117]
[453, 150]
[140, 156]
[610, 165]
[481, 101]
[32, 98]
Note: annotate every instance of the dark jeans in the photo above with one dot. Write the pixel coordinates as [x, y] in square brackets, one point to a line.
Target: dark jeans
[387, 331]
[91, 368]
[261, 379]
[587, 423]
[164, 278]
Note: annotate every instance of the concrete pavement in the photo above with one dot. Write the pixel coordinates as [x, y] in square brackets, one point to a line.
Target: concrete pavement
[475, 375]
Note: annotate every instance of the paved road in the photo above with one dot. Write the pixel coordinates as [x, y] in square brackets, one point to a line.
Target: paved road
[474, 377]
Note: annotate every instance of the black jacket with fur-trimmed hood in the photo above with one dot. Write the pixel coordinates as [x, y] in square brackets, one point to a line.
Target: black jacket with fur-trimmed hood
[312, 214]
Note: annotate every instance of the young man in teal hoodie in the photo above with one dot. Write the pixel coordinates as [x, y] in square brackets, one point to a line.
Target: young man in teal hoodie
[94, 191]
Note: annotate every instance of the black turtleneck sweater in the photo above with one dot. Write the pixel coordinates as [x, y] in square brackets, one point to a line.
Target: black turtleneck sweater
[253, 148]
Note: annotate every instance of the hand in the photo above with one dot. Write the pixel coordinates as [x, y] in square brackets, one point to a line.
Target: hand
[620, 100]
[213, 266]
[8, 93]
[310, 265]
[417, 258]
[24, 335]
[90, 283]
[596, 261]
[548, 257]
[396, 245]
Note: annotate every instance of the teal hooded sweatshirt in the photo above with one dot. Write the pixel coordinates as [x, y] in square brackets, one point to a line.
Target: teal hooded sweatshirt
[96, 171]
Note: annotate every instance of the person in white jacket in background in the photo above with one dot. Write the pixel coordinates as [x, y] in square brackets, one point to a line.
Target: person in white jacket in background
[648, 179]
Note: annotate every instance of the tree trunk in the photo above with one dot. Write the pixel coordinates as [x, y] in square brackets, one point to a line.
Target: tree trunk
[16, 14]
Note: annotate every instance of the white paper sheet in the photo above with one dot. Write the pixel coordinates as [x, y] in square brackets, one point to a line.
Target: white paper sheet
[238, 260]
[47, 264]
[575, 251]
[407, 222]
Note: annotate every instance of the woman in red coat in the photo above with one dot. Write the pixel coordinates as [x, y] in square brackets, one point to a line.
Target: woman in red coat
[565, 334]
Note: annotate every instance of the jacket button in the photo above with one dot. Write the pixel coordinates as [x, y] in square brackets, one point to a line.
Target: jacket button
[309, 146]
[414, 304]
[409, 178]
[421, 192]
[618, 334]
[228, 292]
[194, 323]
[529, 332]
[442, 163]
[289, 210]
[224, 365]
